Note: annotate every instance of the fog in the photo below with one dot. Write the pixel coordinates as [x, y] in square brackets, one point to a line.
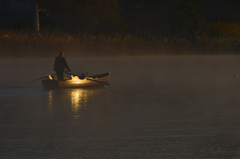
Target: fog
[169, 68]
[156, 107]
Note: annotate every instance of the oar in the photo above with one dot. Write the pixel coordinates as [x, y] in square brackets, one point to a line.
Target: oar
[80, 77]
[98, 81]
[37, 79]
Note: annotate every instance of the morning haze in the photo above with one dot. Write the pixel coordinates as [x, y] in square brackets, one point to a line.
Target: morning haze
[174, 84]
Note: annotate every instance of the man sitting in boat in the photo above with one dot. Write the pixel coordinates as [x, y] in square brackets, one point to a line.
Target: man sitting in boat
[59, 65]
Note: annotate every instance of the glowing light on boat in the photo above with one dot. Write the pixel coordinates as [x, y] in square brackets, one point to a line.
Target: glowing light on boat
[75, 79]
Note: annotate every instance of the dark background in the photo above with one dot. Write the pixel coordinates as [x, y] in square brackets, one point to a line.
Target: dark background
[144, 17]
[119, 27]
[137, 17]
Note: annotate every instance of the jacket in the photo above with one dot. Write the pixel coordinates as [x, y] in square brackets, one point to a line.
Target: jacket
[60, 64]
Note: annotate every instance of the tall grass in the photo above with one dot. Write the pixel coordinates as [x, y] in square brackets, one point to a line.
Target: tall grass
[28, 44]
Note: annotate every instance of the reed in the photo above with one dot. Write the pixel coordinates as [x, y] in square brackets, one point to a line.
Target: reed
[29, 44]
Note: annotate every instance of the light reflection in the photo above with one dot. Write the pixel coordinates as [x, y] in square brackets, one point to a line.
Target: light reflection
[78, 101]
[75, 100]
[50, 99]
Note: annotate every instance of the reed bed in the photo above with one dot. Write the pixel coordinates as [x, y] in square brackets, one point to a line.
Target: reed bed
[28, 44]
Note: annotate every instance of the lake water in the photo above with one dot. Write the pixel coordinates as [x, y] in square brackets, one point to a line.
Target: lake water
[178, 107]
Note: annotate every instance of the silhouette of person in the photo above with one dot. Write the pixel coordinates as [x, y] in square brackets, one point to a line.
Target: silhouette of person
[59, 65]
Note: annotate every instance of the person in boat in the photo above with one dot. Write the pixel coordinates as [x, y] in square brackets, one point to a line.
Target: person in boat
[59, 65]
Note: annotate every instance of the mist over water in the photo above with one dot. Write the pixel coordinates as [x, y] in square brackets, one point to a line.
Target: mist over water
[156, 107]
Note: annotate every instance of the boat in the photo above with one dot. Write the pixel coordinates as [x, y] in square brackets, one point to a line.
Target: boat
[77, 81]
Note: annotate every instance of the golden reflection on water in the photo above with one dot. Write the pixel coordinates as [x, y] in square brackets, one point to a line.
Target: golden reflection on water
[50, 100]
[74, 99]
[79, 99]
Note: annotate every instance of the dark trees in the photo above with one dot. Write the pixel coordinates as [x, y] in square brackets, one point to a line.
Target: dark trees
[145, 17]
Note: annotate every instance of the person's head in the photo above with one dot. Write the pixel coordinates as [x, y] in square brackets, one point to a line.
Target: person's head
[61, 54]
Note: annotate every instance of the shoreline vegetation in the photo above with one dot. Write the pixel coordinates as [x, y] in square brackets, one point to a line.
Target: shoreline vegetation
[42, 45]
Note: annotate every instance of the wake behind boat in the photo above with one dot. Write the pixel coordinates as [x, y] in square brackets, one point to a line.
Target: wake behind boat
[77, 82]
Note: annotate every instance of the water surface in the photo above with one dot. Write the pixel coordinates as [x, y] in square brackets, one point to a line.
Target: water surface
[175, 107]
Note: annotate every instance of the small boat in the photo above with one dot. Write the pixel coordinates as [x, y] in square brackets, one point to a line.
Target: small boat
[77, 81]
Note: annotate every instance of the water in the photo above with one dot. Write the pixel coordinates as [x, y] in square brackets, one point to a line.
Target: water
[179, 107]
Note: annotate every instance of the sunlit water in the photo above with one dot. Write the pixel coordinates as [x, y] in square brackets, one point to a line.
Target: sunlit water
[179, 107]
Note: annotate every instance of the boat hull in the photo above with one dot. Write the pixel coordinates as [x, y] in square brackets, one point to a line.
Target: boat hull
[75, 82]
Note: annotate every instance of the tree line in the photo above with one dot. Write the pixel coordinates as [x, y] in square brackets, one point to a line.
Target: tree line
[142, 17]
[128, 27]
